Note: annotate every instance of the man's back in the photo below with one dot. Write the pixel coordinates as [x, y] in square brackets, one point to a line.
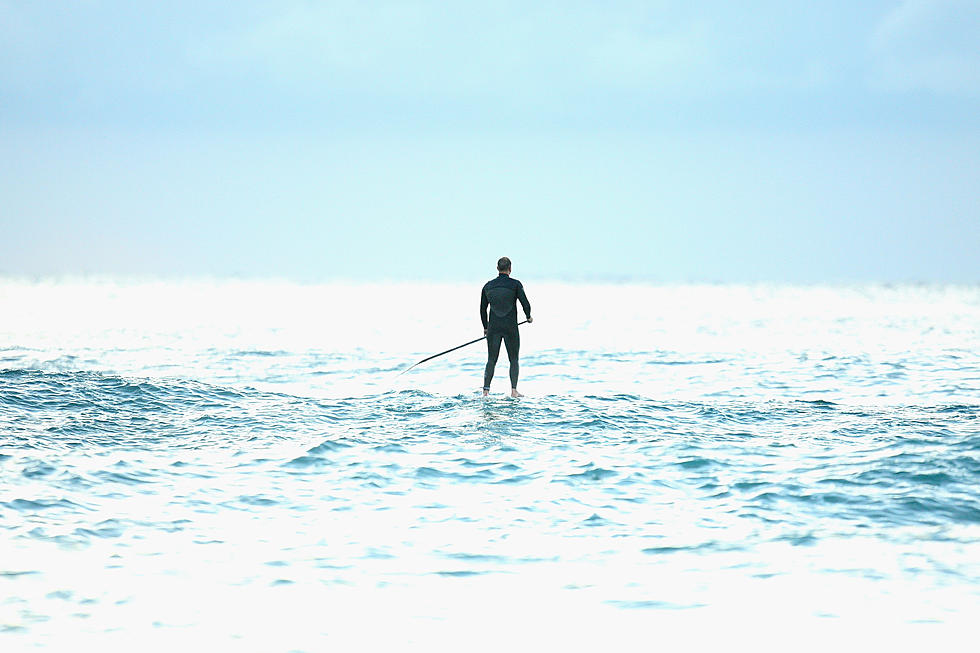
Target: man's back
[501, 295]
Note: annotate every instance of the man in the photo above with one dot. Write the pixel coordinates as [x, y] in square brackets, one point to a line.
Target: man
[501, 295]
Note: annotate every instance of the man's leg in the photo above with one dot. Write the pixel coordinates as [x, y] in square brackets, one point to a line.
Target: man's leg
[493, 351]
[512, 340]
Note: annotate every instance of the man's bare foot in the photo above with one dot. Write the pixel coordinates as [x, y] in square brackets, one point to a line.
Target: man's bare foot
[515, 394]
[486, 393]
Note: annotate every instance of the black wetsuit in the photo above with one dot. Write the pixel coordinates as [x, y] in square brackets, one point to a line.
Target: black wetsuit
[501, 295]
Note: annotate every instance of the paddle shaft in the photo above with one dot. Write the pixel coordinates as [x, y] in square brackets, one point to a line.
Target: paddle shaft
[442, 353]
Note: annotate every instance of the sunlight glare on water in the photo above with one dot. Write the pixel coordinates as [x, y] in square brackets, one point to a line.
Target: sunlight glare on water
[239, 463]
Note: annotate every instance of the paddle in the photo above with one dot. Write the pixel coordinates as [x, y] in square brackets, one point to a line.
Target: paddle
[449, 350]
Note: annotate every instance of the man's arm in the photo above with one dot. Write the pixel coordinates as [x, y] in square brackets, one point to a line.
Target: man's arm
[484, 303]
[523, 298]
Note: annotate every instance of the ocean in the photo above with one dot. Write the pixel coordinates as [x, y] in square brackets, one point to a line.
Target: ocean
[240, 465]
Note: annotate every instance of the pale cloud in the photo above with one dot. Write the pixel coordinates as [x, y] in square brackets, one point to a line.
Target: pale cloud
[631, 56]
[425, 63]
[930, 45]
[464, 48]
[559, 50]
[308, 42]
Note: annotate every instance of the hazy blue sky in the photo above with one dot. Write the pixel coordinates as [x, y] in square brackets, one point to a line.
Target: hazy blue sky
[657, 140]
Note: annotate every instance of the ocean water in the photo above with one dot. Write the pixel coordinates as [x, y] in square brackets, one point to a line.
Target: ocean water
[238, 465]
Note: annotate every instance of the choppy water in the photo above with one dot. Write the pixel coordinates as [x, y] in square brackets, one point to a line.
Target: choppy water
[238, 465]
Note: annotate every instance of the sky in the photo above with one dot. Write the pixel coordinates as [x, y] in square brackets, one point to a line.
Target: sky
[654, 141]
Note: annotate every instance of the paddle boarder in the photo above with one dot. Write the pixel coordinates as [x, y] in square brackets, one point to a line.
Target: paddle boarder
[501, 296]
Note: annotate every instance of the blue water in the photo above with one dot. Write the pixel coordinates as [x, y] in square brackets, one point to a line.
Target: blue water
[227, 464]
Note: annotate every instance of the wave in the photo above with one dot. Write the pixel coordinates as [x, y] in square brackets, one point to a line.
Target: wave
[40, 408]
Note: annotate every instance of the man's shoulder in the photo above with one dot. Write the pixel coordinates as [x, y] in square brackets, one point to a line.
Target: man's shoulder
[504, 281]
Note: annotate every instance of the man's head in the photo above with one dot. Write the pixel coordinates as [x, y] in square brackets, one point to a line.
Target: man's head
[503, 265]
